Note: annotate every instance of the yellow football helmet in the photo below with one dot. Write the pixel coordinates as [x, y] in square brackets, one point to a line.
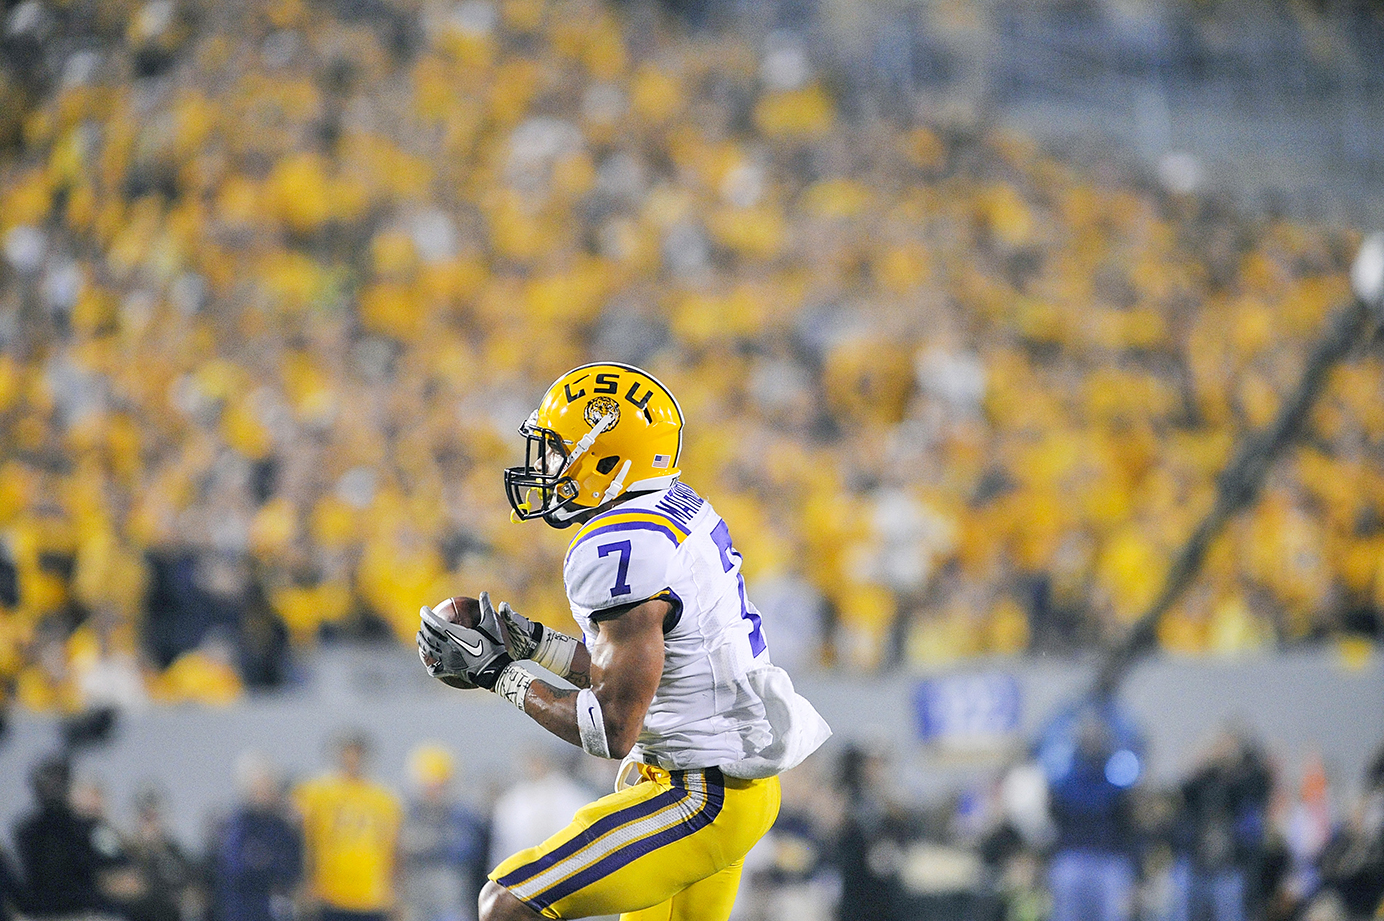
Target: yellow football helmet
[603, 430]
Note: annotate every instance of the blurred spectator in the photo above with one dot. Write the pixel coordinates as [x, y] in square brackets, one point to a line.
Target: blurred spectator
[791, 873]
[1014, 844]
[168, 877]
[1308, 827]
[443, 843]
[1219, 834]
[1021, 888]
[173, 625]
[204, 675]
[9, 579]
[265, 658]
[1352, 863]
[124, 882]
[72, 863]
[350, 838]
[870, 839]
[1090, 775]
[257, 861]
[106, 677]
[12, 894]
[535, 807]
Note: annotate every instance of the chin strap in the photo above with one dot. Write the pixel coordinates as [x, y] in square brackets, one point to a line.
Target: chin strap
[617, 485]
[589, 439]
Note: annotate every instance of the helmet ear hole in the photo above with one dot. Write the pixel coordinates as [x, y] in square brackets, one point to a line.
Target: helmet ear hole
[606, 464]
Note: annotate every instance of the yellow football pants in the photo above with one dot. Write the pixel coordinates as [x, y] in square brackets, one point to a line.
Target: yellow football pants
[670, 848]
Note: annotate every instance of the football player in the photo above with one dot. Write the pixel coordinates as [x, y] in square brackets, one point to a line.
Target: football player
[672, 675]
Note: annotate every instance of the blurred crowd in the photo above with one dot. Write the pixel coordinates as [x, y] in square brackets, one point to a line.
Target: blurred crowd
[279, 281]
[1075, 832]
[1071, 832]
[337, 845]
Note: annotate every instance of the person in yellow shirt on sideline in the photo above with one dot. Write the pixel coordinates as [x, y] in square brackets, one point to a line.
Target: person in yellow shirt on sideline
[350, 837]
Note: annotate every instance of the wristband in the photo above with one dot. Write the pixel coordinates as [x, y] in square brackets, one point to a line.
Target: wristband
[513, 684]
[555, 651]
[591, 724]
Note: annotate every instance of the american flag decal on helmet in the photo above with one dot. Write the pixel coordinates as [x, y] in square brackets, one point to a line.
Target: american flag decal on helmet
[661, 461]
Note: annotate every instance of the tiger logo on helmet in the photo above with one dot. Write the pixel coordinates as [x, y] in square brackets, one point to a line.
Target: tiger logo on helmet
[602, 431]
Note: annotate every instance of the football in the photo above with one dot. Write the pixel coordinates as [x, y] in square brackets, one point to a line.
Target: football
[459, 610]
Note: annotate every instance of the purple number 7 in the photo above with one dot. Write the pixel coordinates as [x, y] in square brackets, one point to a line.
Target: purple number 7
[623, 570]
[721, 535]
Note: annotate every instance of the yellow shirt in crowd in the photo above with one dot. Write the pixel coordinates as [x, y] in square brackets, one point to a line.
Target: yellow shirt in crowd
[350, 831]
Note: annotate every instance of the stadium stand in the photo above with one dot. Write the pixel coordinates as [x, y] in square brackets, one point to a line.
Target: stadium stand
[280, 280]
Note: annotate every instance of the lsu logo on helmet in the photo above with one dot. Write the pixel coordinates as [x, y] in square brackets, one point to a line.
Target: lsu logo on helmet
[597, 407]
[602, 430]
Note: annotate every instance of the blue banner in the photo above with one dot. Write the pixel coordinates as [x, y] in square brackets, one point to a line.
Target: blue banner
[967, 710]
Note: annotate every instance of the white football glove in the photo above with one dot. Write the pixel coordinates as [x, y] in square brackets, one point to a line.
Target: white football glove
[527, 639]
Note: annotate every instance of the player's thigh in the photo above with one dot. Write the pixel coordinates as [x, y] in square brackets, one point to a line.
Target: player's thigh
[710, 899]
[663, 911]
[640, 847]
[539, 875]
[708, 857]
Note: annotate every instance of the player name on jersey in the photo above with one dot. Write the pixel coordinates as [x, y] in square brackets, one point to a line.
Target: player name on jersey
[681, 504]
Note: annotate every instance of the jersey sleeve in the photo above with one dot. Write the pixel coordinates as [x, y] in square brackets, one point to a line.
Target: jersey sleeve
[618, 562]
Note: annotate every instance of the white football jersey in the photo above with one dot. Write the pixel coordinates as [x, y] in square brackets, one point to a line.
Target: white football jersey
[720, 701]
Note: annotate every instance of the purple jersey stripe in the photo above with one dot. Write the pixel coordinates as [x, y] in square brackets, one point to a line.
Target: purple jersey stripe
[626, 526]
